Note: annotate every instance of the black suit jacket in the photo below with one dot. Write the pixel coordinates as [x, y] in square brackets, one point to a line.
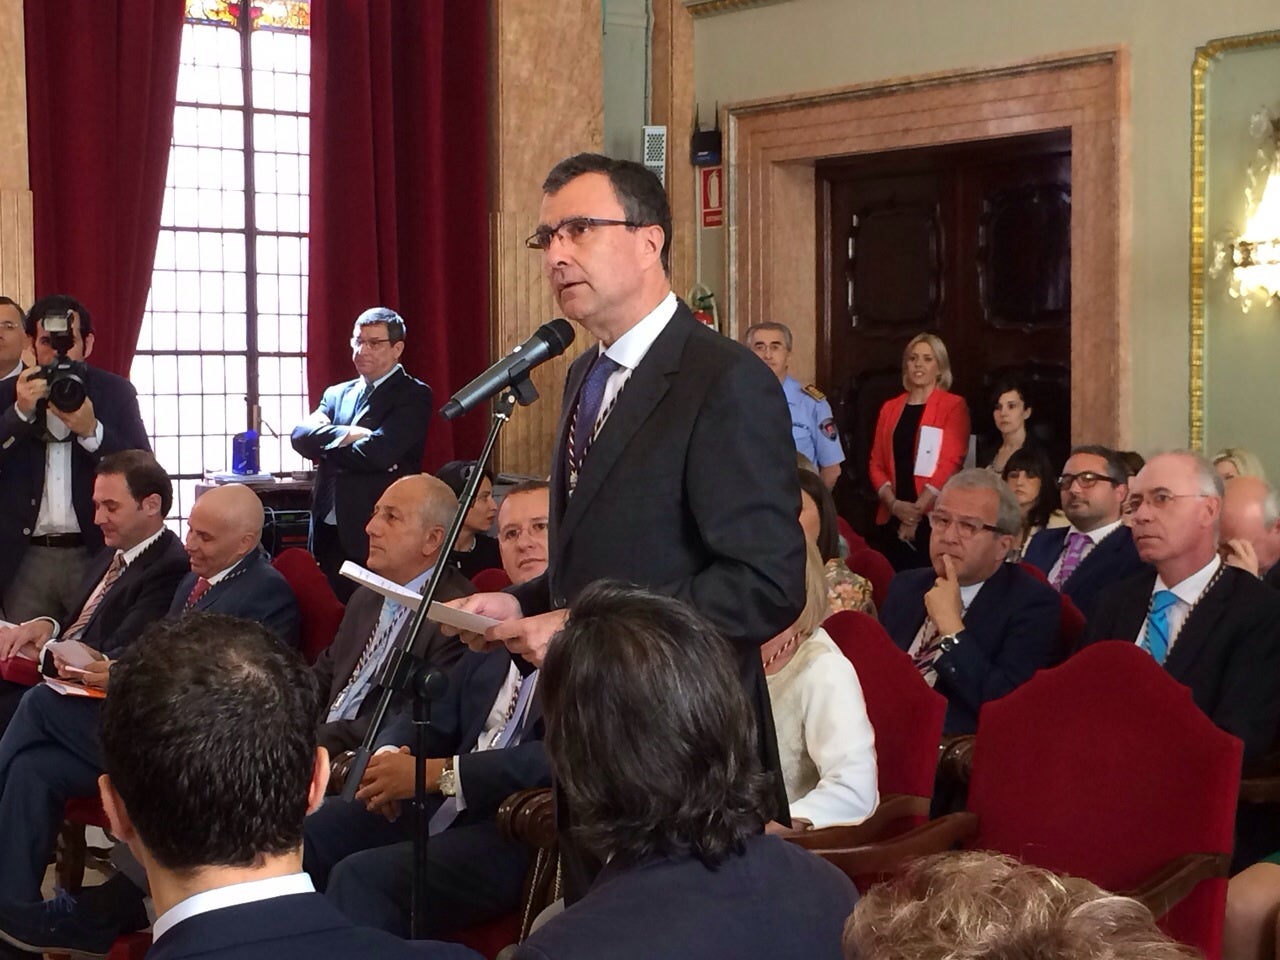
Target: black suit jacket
[143, 594]
[298, 925]
[1109, 562]
[775, 900]
[334, 667]
[1010, 632]
[22, 461]
[1228, 651]
[253, 590]
[398, 413]
[690, 489]
[458, 719]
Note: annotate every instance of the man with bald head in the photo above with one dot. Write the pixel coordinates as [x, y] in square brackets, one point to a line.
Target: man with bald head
[1214, 627]
[1250, 533]
[405, 535]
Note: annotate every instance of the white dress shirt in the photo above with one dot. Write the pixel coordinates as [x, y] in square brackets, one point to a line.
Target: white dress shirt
[234, 895]
[1188, 593]
[1095, 538]
[630, 348]
[130, 555]
[57, 512]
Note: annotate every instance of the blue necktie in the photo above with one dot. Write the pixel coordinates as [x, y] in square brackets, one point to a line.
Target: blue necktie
[1157, 638]
[589, 399]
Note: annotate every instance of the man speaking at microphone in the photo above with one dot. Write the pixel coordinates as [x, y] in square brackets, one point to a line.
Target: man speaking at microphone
[674, 466]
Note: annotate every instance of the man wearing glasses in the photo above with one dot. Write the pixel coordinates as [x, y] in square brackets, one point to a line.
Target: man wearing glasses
[366, 434]
[13, 338]
[674, 465]
[1214, 627]
[975, 626]
[1097, 549]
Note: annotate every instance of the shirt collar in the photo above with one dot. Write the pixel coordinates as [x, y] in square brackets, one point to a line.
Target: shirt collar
[420, 581]
[385, 376]
[14, 372]
[1189, 590]
[1097, 536]
[222, 574]
[629, 349]
[233, 895]
[968, 593]
[134, 553]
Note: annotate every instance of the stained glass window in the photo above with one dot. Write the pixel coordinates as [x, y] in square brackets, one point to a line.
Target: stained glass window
[225, 326]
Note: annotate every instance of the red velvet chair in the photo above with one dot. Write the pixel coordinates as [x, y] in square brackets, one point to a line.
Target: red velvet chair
[1101, 768]
[1071, 622]
[318, 606]
[852, 540]
[871, 563]
[491, 580]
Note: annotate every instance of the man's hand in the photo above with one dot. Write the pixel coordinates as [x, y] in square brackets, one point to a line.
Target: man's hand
[529, 637]
[25, 639]
[498, 606]
[942, 602]
[31, 388]
[1240, 553]
[82, 421]
[388, 779]
[96, 674]
[353, 434]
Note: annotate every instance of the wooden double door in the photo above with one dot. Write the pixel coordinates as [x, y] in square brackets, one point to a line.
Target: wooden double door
[971, 242]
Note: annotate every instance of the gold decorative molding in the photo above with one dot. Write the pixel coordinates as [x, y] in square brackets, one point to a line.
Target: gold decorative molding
[1204, 58]
[705, 8]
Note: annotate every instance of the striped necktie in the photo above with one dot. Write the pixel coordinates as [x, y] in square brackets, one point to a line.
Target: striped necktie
[582, 429]
[91, 605]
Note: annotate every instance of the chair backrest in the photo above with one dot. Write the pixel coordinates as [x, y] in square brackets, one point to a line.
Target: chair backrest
[319, 608]
[851, 539]
[1104, 768]
[490, 580]
[871, 563]
[905, 712]
[1071, 621]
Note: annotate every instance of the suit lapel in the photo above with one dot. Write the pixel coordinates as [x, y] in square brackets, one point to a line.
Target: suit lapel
[1199, 627]
[227, 583]
[1131, 612]
[644, 390]
[559, 480]
[485, 687]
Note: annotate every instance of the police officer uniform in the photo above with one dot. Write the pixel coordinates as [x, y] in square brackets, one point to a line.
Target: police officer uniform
[812, 425]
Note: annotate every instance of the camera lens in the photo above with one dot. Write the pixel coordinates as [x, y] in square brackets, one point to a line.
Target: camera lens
[66, 392]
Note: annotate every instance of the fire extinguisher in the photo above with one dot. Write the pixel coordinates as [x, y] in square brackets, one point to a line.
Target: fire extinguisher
[703, 302]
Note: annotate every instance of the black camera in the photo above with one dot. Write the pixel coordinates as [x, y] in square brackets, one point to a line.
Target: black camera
[65, 376]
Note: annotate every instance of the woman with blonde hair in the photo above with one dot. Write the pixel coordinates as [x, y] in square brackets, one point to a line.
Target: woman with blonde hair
[921, 439]
[825, 742]
[1232, 462]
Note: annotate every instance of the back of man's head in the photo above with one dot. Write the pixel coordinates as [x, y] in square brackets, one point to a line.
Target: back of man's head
[208, 739]
[649, 732]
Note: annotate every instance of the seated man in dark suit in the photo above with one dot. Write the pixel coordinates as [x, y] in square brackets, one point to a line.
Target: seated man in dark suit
[365, 433]
[1250, 534]
[47, 457]
[1214, 627]
[977, 627]
[51, 748]
[1097, 549]
[211, 764]
[405, 535]
[669, 799]
[129, 585]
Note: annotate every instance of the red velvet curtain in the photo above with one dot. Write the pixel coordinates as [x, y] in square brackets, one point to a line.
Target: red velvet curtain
[101, 81]
[399, 202]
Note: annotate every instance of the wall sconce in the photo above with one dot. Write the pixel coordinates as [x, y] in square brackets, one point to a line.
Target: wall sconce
[1251, 259]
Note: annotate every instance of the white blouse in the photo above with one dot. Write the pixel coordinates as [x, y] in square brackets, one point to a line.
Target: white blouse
[825, 740]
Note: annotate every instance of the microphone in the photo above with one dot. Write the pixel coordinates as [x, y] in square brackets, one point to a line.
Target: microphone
[548, 341]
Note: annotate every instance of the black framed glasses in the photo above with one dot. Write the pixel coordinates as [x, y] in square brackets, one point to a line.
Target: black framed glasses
[966, 527]
[1087, 479]
[573, 230]
[358, 342]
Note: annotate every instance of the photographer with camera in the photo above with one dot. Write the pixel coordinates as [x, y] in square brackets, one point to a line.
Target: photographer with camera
[57, 420]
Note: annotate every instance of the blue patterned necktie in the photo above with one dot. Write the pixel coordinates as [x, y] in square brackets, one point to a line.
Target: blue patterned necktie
[1157, 638]
[590, 397]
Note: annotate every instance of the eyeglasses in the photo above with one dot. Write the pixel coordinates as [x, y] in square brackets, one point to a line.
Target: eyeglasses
[966, 527]
[1087, 480]
[8, 326]
[573, 230]
[1158, 499]
[357, 342]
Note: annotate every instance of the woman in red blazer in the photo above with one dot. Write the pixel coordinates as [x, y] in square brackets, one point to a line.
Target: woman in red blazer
[921, 439]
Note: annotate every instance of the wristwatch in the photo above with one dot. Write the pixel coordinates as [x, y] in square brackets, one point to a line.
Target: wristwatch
[947, 642]
[448, 779]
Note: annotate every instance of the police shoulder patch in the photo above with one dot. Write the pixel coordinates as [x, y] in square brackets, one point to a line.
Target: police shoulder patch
[814, 392]
[828, 428]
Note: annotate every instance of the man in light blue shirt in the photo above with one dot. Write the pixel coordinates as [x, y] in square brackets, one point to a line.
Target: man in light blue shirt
[812, 425]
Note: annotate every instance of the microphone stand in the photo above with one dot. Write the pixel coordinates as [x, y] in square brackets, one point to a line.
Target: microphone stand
[405, 671]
